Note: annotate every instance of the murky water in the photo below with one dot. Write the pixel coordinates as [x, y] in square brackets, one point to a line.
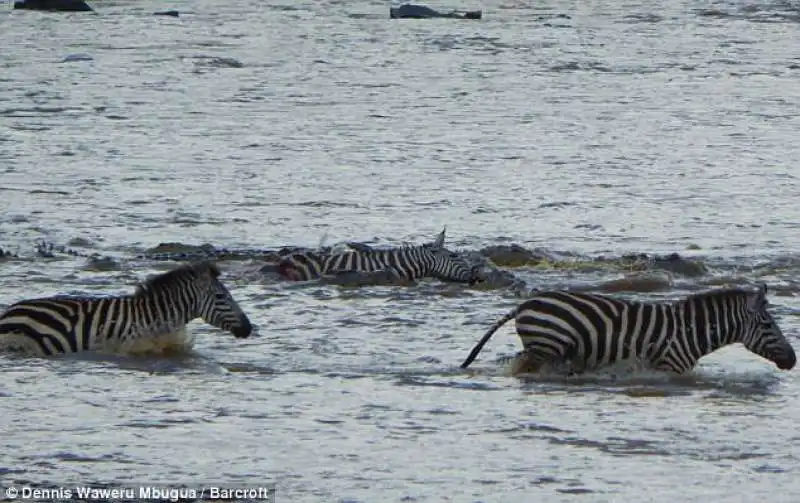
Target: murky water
[595, 129]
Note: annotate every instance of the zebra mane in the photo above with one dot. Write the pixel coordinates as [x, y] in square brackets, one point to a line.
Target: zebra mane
[719, 292]
[189, 271]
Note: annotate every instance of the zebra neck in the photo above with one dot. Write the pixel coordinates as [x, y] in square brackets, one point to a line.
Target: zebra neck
[162, 313]
[704, 330]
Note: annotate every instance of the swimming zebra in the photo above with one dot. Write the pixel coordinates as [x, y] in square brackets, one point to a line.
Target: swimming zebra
[586, 331]
[159, 307]
[408, 263]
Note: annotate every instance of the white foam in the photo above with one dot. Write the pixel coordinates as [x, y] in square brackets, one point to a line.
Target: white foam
[176, 342]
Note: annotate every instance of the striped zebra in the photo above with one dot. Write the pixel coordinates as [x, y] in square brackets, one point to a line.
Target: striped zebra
[586, 331]
[160, 307]
[408, 263]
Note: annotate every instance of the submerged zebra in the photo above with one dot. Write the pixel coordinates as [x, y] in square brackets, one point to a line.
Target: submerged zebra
[160, 307]
[408, 263]
[586, 331]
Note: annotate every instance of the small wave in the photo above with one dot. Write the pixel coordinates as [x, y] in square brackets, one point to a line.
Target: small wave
[205, 63]
[643, 17]
[157, 362]
[766, 12]
[634, 379]
[327, 204]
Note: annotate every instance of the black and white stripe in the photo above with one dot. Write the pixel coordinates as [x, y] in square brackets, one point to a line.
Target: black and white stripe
[586, 331]
[408, 263]
[160, 306]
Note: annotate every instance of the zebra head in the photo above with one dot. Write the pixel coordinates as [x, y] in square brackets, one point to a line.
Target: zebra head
[762, 335]
[447, 265]
[215, 304]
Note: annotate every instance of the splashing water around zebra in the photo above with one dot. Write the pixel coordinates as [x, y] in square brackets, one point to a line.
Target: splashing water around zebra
[154, 314]
[588, 331]
[408, 263]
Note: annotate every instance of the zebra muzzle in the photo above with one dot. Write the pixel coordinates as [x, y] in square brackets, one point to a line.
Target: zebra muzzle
[786, 362]
[243, 331]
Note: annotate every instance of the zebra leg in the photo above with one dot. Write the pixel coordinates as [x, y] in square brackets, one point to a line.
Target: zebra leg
[668, 367]
[573, 369]
[528, 361]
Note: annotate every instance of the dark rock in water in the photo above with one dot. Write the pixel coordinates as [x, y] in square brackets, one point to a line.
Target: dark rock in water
[648, 281]
[53, 5]
[409, 11]
[77, 57]
[79, 242]
[493, 279]
[673, 263]
[205, 64]
[512, 256]
[98, 263]
[180, 248]
[172, 13]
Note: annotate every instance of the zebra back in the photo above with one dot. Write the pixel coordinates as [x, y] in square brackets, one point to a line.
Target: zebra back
[410, 263]
[44, 326]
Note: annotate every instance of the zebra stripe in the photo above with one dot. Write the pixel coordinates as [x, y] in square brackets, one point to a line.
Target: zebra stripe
[587, 331]
[409, 263]
[159, 307]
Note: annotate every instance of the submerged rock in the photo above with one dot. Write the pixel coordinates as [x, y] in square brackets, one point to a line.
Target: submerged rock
[410, 11]
[513, 256]
[494, 278]
[71, 58]
[98, 264]
[179, 248]
[53, 5]
[673, 263]
[649, 281]
[676, 264]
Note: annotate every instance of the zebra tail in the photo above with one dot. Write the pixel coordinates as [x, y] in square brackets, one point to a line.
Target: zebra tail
[488, 335]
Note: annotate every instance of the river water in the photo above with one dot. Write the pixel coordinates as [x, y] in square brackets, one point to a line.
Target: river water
[578, 128]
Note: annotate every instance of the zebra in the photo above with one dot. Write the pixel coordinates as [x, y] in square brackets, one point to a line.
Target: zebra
[407, 263]
[586, 331]
[160, 307]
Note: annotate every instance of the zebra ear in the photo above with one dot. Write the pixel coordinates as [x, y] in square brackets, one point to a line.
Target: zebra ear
[758, 299]
[439, 242]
